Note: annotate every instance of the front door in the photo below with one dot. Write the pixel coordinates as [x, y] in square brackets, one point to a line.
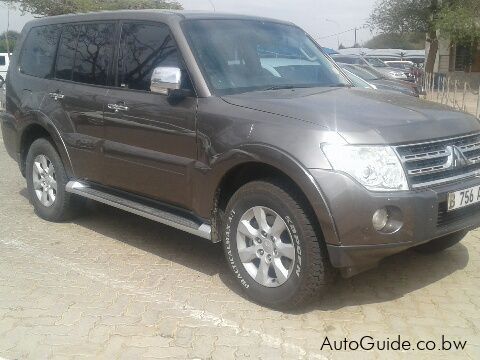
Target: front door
[150, 142]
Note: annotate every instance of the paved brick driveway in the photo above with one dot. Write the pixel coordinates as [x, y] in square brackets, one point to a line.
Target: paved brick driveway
[114, 285]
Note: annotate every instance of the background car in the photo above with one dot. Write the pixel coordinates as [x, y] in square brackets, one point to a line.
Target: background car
[373, 62]
[407, 66]
[4, 59]
[377, 79]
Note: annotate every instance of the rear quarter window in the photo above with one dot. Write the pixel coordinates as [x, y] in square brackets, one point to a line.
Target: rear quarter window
[38, 54]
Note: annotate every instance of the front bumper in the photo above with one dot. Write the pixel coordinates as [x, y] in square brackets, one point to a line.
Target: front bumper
[422, 212]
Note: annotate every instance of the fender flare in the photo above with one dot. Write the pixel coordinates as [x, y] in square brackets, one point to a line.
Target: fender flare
[37, 117]
[209, 183]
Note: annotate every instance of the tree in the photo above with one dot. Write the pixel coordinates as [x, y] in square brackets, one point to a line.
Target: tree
[56, 7]
[461, 22]
[403, 16]
[12, 37]
[407, 41]
[456, 19]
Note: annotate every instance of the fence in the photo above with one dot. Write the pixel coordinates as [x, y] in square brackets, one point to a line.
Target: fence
[460, 94]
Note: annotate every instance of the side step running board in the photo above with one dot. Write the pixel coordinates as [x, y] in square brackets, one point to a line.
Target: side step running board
[162, 216]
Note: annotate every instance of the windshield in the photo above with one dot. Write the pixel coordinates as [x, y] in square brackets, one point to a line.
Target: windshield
[365, 73]
[376, 62]
[238, 56]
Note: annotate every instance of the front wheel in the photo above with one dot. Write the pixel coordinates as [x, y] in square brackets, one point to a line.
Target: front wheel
[272, 247]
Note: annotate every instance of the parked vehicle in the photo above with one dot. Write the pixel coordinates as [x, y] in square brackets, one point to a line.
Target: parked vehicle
[173, 117]
[4, 61]
[407, 66]
[376, 63]
[386, 70]
[380, 81]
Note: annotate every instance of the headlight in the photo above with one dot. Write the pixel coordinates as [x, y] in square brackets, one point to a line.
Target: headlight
[375, 167]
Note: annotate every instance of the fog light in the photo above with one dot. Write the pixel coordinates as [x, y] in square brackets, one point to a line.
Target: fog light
[380, 219]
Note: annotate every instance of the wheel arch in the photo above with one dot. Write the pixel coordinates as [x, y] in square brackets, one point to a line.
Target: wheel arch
[39, 126]
[260, 162]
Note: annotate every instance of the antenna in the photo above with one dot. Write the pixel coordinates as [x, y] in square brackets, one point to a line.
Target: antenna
[213, 5]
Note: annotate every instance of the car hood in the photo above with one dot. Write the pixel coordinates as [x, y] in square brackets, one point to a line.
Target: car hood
[362, 116]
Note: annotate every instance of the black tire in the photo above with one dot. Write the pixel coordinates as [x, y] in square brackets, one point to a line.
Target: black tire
[66, 205]
[442, 243]
[312, 270]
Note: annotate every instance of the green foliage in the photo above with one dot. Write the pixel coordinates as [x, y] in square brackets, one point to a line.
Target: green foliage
[460, 22]
[407, 41]
[403, 16]
[12, 39]
[59, 7]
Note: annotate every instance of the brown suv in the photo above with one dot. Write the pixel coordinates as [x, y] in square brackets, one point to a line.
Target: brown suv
[238, 130]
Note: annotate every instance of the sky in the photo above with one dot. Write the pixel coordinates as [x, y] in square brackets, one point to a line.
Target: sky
[320, 18]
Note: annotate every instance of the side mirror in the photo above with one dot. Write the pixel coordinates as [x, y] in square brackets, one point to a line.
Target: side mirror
[165, 80]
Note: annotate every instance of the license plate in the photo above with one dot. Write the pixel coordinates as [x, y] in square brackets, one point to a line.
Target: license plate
[463, 198]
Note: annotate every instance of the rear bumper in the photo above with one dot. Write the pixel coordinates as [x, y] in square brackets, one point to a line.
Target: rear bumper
[422, 214]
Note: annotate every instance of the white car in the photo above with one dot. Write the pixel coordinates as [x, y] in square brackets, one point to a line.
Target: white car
[4, 60]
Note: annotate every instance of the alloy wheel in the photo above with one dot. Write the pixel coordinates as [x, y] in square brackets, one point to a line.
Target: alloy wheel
[265, 246]
[44, 180]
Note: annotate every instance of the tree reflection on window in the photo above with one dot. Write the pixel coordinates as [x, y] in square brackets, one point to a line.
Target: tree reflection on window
[144, 47]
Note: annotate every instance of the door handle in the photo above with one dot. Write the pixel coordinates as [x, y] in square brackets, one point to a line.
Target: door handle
[56, 96]
[117, 107]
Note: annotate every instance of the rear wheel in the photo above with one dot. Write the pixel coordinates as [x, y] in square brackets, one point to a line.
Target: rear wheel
[272, 247]
[46, 181]
[442, 243]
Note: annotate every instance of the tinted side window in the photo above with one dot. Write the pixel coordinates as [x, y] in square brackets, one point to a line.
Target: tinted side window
[2, 61]
[66, 52]
[39, 51]
[143, 47]
[94, 53]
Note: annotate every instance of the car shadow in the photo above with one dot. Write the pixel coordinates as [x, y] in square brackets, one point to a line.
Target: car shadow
[395, 276]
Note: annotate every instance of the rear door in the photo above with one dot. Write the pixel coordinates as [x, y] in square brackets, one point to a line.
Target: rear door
[150, 141]
[77, 95]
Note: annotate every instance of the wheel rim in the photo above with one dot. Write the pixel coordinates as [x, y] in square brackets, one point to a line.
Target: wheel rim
[265, 246]
[44, 180]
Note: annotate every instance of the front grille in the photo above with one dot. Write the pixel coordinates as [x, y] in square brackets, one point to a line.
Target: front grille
[438, 162]
[446, 218]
